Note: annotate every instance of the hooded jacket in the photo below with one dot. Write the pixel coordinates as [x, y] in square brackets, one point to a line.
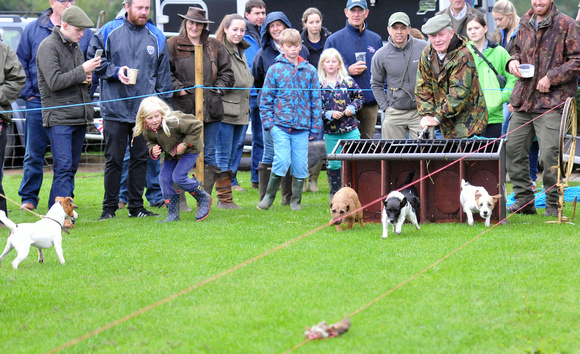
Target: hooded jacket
[351, 40]
[60, 80]
[34, 33]
[451, 93]
[554, 50]
[494, 96]
[12, 80]
[138, 47]
[217, 72]
[291, 97]
[313, 52]
[269, 51]
[388, 67]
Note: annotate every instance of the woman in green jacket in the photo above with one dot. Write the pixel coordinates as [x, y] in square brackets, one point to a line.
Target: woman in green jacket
[236, 102]
[497, 56]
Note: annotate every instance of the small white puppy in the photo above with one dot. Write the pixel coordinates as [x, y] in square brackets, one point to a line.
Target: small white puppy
[42, 234]
[397, 208]
[477, 199]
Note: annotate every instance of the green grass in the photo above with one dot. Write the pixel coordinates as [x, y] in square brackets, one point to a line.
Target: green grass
[514, 289]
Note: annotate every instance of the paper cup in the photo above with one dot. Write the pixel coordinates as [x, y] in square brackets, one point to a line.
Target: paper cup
[132, 75]
[527, 70]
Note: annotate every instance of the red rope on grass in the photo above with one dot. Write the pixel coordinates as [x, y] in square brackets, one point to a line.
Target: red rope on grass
[275, 249]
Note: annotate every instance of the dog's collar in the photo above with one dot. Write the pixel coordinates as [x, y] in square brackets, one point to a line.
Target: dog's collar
[61, 226]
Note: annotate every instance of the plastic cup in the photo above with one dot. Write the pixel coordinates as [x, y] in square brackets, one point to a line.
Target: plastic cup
[527, 70]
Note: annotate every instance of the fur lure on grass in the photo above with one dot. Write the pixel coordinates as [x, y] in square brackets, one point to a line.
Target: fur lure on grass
[322, 330]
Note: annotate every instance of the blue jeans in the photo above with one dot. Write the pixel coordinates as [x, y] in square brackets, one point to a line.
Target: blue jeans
[210, 134]
[66, 143]
[3, 139]
[229, 138]
[534, 152]
[331, 139]
[257, 138]
[238, 155]
[36, 145]
[175, 171]
[153, 192]
[291, 151]
[268, 156]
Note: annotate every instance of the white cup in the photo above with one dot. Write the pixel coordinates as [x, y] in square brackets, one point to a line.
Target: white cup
[527, 70]
[132, 75]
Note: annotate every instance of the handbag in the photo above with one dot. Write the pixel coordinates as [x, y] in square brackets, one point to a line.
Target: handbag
[500, 78]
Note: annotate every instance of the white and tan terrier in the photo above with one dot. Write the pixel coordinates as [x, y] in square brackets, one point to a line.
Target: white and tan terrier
[477, 199]
[42, 234]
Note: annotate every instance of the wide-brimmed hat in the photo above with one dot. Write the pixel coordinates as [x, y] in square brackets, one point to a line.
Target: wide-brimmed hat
[195, 14]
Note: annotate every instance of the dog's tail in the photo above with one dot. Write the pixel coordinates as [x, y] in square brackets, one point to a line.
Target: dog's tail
[9, 223]
[409, 178]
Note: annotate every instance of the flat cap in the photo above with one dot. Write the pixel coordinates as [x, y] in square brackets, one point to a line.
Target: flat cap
[436, 24]
[360, 3]
[75, 16]
[399, 17]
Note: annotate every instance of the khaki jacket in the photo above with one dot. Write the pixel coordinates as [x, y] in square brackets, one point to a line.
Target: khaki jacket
[12, 80]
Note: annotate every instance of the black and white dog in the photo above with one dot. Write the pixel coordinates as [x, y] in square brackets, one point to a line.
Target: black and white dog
[401, 206]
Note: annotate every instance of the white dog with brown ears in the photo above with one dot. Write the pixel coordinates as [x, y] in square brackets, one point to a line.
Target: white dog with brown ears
[477, 199]
[44, 233]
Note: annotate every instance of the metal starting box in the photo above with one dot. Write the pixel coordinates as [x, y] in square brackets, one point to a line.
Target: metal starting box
[373, 168]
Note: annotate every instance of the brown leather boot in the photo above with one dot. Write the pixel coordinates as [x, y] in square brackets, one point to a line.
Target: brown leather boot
[223, 189]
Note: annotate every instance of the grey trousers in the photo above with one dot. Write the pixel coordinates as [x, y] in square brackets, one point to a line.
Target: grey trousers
[519, 139]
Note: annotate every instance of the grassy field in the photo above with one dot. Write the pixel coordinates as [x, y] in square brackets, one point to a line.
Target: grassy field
[514, 289]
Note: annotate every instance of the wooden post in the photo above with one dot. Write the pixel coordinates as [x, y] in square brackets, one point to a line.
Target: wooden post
[199, 166]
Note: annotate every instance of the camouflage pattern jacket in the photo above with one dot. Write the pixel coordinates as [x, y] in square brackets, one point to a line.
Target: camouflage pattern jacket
[451, 93]
[554, 50]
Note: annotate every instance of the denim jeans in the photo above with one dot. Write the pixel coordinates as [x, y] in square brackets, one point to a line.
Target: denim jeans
[117, 134]
[3, 138]
[153, 192]
[210, 134]
[175, 171]
[238, 155]
[66, 143]
[228, 140]
[257, 138]
[36, 145]
[291, 151]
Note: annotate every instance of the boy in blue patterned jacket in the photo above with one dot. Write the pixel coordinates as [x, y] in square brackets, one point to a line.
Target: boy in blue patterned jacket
[290, 108]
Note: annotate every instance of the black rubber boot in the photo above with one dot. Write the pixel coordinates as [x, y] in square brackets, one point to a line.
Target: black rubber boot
[264, 178]
[334, 182]
[286, 189]
[297, 185]
[210, 174]
[172, 208]
[271, 191]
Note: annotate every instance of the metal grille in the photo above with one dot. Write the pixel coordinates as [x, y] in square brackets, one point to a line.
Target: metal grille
[435, 149]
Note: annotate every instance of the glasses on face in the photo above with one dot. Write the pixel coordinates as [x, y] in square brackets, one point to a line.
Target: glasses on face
[67, 2]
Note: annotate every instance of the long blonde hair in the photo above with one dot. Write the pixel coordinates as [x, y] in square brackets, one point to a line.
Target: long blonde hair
[506, 8]
[150, 105]
[220, 34]
[342, 74]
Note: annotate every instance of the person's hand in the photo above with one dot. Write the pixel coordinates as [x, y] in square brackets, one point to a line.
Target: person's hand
[514, 68]
[89, 77]
[156, 151]
[428, 121]
[347, 112]
[182, 93]
[357, 68]
[180, 149]
[510, 107]
[123, 75]
[544, 85]
[337, 115]
[92, 64]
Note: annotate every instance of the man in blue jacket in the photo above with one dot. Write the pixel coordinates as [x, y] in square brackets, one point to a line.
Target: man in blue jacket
[128, 42]
[36, 135]
[357, 45]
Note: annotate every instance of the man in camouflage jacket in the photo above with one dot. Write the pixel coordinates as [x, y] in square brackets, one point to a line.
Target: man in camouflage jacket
[448, 91]
[550, 41]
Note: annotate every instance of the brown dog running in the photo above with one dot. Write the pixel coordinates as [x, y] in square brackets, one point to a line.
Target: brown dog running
[345, 201]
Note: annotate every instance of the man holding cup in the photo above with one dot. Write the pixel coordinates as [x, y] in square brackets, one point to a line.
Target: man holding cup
[64, 78]
[357, 45]
[550, 41]
[128, 42]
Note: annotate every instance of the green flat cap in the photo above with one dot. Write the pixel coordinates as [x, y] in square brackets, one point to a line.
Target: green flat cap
[436, 24]
[399, 17]
[75, 16]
